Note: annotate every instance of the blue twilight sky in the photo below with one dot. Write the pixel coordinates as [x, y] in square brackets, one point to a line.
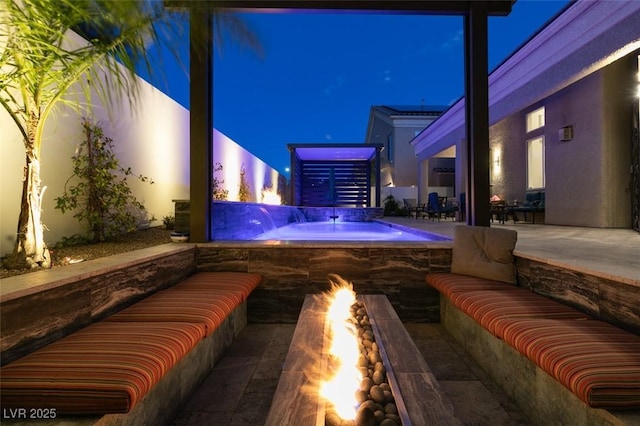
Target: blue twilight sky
[320, 73]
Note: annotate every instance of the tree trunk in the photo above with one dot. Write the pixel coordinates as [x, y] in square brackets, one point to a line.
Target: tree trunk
[30, 250]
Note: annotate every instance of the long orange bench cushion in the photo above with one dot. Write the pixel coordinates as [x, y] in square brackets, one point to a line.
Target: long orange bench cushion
[492, 308]
[449, 283]
[175, 305]
[103, 368]
[236, 296]
[244, 282]
[596, 361]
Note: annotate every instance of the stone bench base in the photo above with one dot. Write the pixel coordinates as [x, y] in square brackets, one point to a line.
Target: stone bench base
[163, 402]
[543, 399]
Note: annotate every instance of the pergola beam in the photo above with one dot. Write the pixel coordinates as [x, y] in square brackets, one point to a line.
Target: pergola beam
[430, 7]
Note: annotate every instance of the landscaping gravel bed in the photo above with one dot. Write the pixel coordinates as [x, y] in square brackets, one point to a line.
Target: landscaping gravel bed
[70, 254]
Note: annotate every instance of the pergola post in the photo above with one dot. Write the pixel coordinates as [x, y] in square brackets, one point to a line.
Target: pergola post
[201, 125]
[477, 113]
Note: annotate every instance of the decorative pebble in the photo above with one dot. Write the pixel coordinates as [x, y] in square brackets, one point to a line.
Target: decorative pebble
[391, 408]
[366, 384]
[379, 415]
[378, 377]
[377, 394]
[377, 405]
[365, 417]
[393, 417]
[374, 356]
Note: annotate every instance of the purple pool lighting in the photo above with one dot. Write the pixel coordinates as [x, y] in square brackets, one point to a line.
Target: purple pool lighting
[341, 231]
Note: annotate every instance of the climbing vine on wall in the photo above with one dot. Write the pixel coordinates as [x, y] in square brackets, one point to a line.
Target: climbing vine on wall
[101, 196]
[219, 193]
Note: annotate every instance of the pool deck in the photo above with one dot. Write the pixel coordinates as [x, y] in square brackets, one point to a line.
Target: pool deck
[604, 252]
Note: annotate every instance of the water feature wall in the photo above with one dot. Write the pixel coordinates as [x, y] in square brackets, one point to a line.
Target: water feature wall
[244, 221]
[344, 214]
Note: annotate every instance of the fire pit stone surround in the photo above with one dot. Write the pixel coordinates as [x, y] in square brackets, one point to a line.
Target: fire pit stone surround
[291, 271]
[418, 395]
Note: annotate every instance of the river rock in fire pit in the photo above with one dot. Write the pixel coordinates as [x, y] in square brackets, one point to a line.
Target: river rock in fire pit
[365, 417]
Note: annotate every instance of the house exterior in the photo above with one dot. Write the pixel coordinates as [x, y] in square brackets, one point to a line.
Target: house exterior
[394, 126]
[563, 115]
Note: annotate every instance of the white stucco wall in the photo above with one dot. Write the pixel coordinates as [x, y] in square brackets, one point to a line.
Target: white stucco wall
[152, 139]
[233, 157]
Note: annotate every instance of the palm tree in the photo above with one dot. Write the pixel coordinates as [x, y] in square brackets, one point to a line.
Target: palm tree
[40, 62]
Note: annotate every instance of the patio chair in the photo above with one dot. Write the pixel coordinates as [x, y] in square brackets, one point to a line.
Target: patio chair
[534, 203]
[438, 207]
[413, 208]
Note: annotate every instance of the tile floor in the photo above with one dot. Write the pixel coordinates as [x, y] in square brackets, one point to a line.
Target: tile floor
[239, 390]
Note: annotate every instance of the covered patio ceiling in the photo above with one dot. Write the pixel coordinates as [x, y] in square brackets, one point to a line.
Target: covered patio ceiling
[475, 14]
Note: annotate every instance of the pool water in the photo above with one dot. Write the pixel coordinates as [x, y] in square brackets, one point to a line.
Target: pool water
[341, 231]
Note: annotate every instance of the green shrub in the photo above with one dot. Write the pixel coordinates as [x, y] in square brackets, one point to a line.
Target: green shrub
[101, 198]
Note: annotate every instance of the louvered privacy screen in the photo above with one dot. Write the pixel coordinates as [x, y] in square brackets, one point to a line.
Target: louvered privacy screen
[339, 183]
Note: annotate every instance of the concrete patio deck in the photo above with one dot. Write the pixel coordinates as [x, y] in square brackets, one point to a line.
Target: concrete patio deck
[605, 252]
[239, 390]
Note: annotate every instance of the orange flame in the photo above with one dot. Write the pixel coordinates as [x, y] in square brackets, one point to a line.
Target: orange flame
[340, 390]
[269, 196]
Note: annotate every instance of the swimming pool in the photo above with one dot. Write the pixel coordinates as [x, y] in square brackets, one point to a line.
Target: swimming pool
[343, 231]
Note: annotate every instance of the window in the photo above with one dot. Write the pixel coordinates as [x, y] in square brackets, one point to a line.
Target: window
[535, 163]
[390, 147]
[535, 120]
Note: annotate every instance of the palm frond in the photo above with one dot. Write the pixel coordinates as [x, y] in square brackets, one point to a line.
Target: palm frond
[42, 58]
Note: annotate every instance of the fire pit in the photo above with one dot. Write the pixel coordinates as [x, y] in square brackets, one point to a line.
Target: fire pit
[356, 386]
[299, 400]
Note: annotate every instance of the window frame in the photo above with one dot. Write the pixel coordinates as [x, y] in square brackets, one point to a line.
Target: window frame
[541, 167]
[535, 115]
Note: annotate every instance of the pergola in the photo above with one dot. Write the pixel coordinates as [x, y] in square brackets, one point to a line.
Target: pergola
[475, 14]
[335, 174]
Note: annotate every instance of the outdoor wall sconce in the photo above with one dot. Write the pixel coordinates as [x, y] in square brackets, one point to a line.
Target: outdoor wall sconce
[565, 134]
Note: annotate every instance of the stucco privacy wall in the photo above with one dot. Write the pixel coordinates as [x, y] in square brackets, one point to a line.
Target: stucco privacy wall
[233, 158]
[153, 140]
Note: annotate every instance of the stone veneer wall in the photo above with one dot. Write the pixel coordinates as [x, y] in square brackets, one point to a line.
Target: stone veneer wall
[35, 319]
[32, 318]
[345, 214]
[290, 272]
[614, 302]
[245, 221]
[398, 271]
